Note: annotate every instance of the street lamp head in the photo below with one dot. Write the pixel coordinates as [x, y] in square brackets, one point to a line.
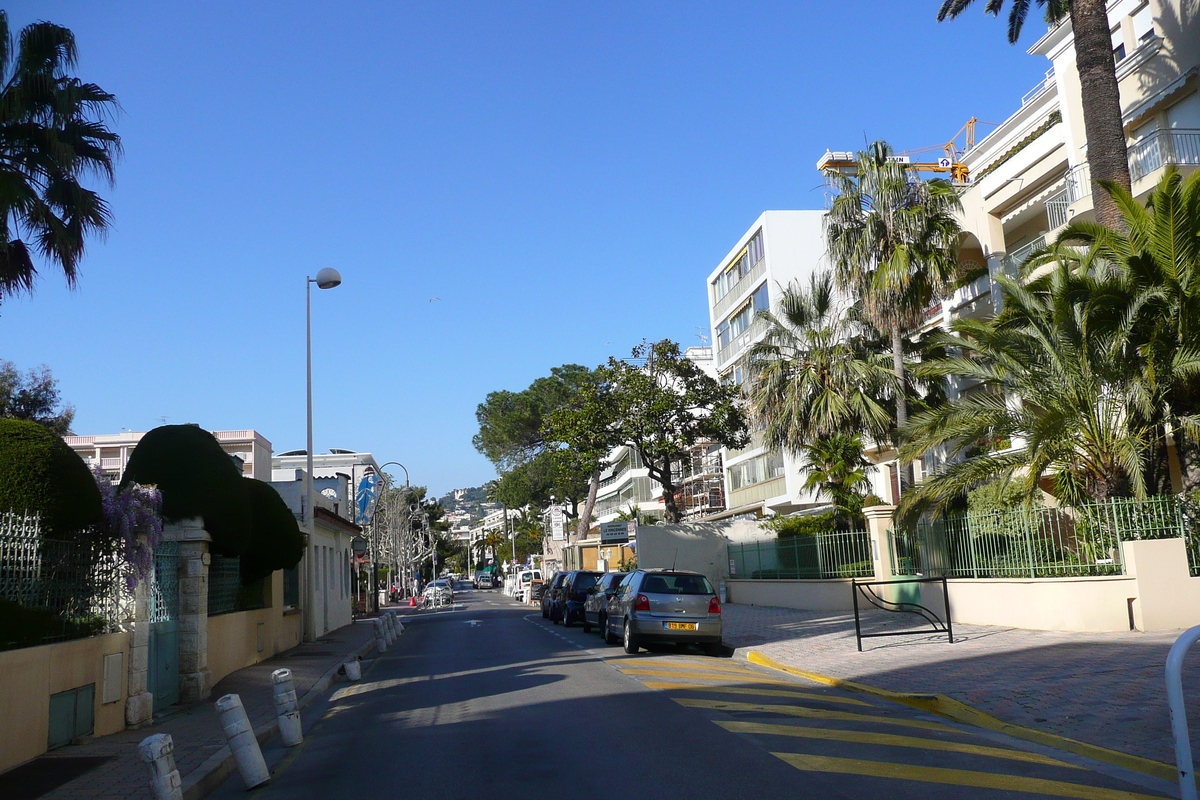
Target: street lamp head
[328, 278]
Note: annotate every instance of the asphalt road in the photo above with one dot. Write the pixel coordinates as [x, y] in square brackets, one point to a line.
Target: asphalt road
[490, 700]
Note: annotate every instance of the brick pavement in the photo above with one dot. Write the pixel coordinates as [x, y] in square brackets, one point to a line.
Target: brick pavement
[200, 751]
[1103, 688]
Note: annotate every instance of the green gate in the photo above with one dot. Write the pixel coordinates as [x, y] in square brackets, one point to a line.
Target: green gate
[163, 671]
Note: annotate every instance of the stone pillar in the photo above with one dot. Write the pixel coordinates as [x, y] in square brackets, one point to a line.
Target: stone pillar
[195, 682]
[139, 703]
[879, 523]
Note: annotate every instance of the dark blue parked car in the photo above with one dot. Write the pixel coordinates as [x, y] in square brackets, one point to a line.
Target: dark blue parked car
[573, 595]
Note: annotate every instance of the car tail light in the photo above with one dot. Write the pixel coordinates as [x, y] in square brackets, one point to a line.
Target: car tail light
[714, 605]
[641, 603]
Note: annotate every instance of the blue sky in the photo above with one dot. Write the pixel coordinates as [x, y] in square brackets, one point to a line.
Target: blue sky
[563, 176]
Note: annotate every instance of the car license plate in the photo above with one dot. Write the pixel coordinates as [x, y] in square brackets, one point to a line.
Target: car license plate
[680, 626]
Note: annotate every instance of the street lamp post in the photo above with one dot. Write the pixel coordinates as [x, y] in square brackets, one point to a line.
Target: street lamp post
[327, 278]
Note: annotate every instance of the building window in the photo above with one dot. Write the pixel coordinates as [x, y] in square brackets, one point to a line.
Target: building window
[755, 470]
[739, 322]
[291, 588]
[1118, 44]
[1143, 24]
[738, 267]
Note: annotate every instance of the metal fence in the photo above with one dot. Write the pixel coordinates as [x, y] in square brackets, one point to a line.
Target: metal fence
[226, 592]
[828, 554]
[59, 589]
[1038, 543]
[164, 587]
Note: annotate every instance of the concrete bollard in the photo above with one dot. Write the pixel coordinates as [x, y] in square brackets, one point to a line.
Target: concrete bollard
[399, 624]
[380, 636]
[240, 735]
[353, 670]
[286, 708]
[158, 751]
[388, 629]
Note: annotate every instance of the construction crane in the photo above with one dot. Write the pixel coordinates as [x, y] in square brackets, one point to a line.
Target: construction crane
[950, 162]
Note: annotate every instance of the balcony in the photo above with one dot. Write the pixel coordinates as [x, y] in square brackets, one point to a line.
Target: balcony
[1011, 263]
[1056, 210]
[735, 292]
[743, 340]
[1079, 182]
[964, 294]
[1161, 148]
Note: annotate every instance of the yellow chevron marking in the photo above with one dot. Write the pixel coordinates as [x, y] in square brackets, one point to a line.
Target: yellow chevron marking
[757, 692]
[890, 739]
[713, 676]
[957, 777]
[643, 663]
[809, 713]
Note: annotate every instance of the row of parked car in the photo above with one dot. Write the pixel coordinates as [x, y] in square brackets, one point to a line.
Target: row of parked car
[633, 608]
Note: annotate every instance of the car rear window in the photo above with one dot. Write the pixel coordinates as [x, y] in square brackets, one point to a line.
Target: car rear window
[676, 584]
[584, 581]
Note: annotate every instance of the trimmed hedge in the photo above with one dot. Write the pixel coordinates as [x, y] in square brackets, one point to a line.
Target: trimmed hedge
[197, 479]
[277, 542]
[40, 474]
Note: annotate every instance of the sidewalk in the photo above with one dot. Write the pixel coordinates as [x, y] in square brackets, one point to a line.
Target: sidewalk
[201, 755]
[1106, 689]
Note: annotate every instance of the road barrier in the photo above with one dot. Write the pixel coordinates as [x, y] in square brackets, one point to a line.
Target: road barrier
[242, 742]
[286, 708]
[158, 751]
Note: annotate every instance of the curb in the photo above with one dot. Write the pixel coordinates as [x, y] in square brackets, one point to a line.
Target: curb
[204, 779]
[959, 711]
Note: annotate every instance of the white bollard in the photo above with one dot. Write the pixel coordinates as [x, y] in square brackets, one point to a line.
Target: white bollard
[286, 708]
[399, 624]
[353, 670]
[158, 751]
[389, 628]
[240, 735]
[380, 636]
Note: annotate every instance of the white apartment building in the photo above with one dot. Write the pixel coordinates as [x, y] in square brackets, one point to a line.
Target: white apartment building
[1030, 175]
[111, 451]
[780, 248]
[349, 464]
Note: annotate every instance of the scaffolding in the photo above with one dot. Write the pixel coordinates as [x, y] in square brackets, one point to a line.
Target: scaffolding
[701, 482]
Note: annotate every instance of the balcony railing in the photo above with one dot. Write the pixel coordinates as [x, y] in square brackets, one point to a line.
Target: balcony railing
[1163, 147]
[1012, 262]
[735, 291]
[1079, 182]
[968, 292]
[740, 343]
[1056, 209]
[1044, 84]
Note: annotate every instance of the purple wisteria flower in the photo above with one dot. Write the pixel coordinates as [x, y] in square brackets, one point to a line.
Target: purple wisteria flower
[132, 517]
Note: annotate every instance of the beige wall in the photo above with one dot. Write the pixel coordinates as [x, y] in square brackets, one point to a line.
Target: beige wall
[824, 595]
[30, 675]
[236, 641]
[1157, 593]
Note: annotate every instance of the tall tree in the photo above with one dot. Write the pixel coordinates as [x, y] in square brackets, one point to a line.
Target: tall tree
[892, 238]
[1101, 96]
[834, 466]
[584, 427]
[814, 374]
[53, 133]
[1054, 351]
[33, 396]
[664, 403]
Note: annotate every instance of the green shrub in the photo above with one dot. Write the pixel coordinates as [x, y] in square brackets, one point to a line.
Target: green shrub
[276, 541]
[197, 479]
[800, 526]
[40, 474]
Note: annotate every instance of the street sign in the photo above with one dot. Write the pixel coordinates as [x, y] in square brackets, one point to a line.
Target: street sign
[557, 529]
[617, 532]
[359, 545]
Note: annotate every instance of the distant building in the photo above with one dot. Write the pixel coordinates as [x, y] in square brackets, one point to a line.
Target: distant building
[111, 451]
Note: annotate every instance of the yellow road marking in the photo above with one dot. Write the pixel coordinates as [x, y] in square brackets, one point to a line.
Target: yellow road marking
[809, 713]
[714, 676]
[957, 777]
[759, 692]
[705, 667]
[961, 712]
[891, 740]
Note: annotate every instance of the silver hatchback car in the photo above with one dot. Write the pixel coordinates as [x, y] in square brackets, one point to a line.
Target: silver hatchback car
[663, 605]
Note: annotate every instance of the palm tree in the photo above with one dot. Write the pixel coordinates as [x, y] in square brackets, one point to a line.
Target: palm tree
[1052, 350]
[812, 375]
[52, 133]
[1152, 301]
[892, 239]
[1099, 91]
[835, 468]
